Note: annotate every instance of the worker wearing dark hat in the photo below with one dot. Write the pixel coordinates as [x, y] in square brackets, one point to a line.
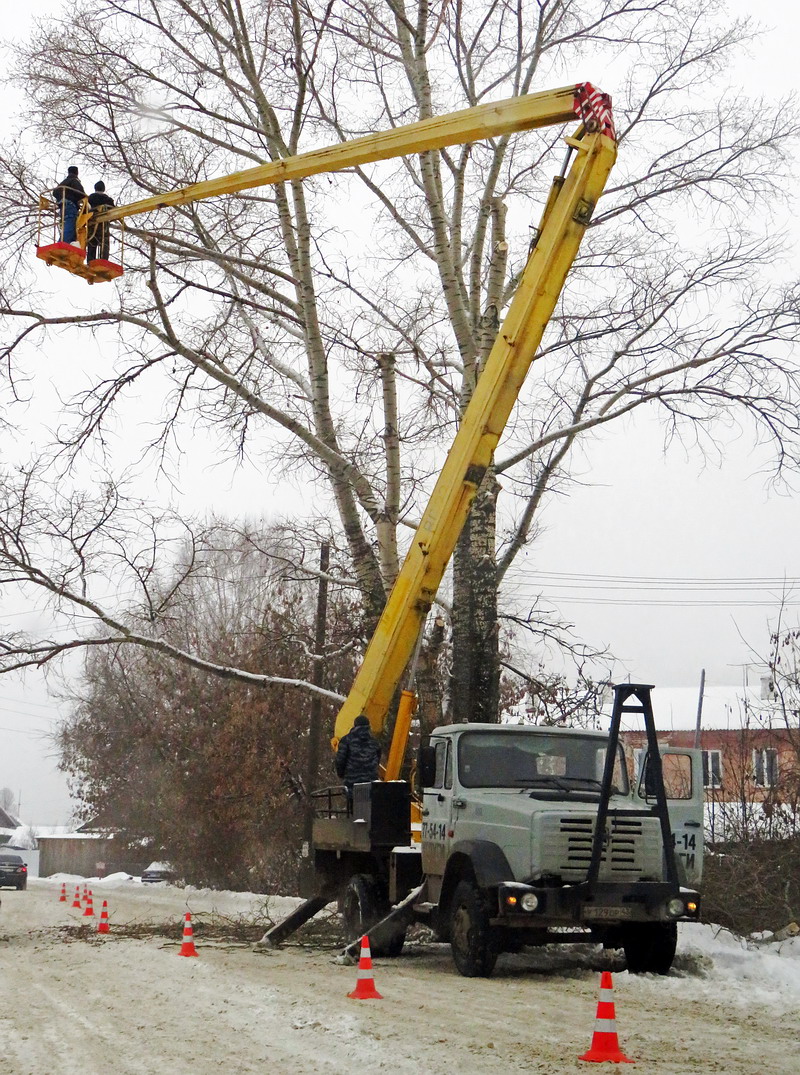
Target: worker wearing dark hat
[97, 243]
[358, 755]
[68, 195]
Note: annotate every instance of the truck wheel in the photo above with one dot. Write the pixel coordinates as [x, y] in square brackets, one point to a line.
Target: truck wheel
[395, 946]
[361, 907]
[650, 947]
[471, 942]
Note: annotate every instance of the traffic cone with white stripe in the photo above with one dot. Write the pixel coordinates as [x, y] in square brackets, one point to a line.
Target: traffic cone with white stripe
[365, 985]
[77, 901]
[102, 925]
[187, 947]
[63, 897]
[605, 1046]
[89, 912]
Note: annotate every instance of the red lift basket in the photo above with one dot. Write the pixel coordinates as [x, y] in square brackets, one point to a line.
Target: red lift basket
[67, 255]
[100, 270]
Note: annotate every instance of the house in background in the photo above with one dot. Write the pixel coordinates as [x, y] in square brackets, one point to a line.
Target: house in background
[751, 777]
[91, 850]
[8, 826]
[755, 762]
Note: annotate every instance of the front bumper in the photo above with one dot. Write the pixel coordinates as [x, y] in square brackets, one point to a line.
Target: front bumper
[605, 905]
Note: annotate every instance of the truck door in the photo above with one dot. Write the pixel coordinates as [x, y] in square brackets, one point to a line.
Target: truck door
[437, 812]
[683, 784]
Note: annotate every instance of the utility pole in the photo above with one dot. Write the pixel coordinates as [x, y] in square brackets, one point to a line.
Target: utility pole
[315, 719]
[700, 707]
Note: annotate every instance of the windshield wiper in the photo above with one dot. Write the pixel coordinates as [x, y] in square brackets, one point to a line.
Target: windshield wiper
[543, 779]
[564, 783]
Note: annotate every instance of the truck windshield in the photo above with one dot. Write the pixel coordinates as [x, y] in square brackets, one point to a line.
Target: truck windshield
[549, 761]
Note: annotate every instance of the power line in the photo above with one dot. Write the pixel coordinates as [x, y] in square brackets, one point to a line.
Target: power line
[654, 590]
[658, 602]
[668, 580]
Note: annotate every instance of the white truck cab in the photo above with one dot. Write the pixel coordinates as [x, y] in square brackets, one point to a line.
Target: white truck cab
[508, 834]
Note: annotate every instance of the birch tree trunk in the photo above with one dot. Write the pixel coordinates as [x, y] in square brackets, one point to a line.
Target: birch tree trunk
[475, 674]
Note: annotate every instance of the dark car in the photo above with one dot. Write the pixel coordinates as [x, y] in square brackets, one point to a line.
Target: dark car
[158, 871]
[13, 872]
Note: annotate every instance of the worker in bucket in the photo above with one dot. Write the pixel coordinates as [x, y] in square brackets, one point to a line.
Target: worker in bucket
[68, 196]
[358, 756]
[97, 245]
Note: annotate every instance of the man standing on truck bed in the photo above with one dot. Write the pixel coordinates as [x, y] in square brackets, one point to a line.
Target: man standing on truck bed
[358, 756]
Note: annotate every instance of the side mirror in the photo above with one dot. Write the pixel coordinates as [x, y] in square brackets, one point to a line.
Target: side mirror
[427, 766]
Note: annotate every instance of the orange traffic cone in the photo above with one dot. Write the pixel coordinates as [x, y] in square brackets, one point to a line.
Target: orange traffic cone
[365, 985]
[77, 901]
[102, 925]
[605, 1046]
[63, 897]
[188, 948]
[89, 912]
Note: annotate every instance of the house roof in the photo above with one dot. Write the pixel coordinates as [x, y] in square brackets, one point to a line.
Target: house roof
[8, 821]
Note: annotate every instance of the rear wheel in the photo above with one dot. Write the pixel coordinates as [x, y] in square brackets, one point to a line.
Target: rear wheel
[650, 947]
[471, 941]
[361, 906]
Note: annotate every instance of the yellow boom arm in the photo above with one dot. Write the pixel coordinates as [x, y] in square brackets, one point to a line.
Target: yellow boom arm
[453, 128]
[567, 213]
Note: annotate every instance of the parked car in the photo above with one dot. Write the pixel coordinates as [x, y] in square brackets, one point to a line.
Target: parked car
[13, 872]
[159, 871]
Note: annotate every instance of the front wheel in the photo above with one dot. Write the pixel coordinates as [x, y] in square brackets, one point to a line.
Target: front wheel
[650, 947]
[471, 941]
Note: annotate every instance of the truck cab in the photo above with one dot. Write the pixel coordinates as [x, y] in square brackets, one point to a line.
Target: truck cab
[508, 838]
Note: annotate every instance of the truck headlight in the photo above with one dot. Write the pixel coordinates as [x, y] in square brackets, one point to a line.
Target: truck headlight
[676, 908]
[530, 901]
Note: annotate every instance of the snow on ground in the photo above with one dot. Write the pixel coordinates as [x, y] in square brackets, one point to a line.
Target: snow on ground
[74, 1000]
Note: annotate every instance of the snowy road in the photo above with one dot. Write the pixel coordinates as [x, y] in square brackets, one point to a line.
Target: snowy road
[130, 1006]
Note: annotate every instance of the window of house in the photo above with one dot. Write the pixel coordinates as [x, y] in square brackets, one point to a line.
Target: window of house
[765, 767]
[712, 768]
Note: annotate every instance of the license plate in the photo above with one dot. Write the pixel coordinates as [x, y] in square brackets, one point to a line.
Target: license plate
[608, 912]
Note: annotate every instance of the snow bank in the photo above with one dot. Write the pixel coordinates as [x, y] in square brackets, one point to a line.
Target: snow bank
[746, 971]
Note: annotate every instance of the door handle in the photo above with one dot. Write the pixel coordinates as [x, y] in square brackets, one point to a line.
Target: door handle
[440, 798]
[692, 824]
[459, 804]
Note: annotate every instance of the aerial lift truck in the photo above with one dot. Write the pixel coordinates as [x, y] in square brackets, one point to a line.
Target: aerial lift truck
[522, 835]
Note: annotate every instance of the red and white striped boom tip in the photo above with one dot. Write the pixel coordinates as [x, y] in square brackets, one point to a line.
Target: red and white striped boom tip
[593, 108]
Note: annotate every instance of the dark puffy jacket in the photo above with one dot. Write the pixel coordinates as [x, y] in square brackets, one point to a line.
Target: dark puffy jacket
[358, 756]
[98, 198]
[70, 188]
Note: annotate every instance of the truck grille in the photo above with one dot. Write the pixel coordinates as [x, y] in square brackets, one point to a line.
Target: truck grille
[632, 851]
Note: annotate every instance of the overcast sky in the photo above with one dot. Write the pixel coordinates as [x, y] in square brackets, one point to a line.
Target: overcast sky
[709, 545]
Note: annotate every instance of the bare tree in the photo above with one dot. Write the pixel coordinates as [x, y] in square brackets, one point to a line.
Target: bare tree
[295, 333]
[212, 771]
